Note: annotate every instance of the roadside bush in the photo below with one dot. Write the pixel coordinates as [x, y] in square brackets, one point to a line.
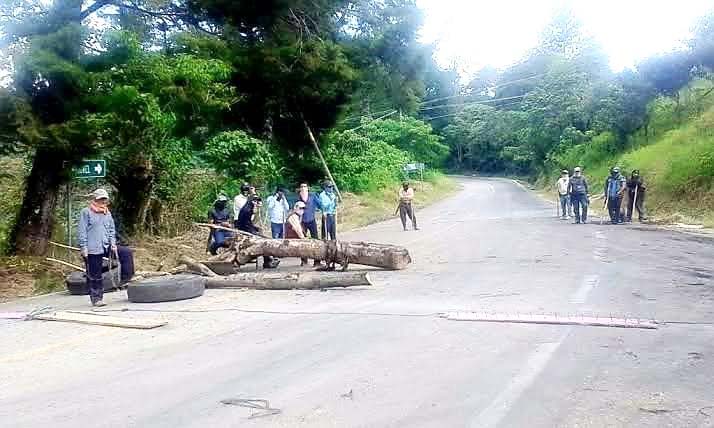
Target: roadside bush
[360, 164]
[240, 156]
[412, 136]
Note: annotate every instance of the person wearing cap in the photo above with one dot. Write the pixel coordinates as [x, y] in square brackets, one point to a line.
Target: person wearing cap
[614, 189]
[579, 196]
[406, 197]
[328, 206]
[636, 190]
[246, 191]
[278, 209]
[312, 204]
[219, 215]
[564, 198]
[96, 235]
[293, 223]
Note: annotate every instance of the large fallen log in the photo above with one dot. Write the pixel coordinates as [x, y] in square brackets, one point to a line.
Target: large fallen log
[289, 281]
[248, 246]
[344, 253]
[195, 266]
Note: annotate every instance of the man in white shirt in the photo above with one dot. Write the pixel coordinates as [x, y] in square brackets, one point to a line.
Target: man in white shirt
[564, 197]
[278, 209]
[406, 196]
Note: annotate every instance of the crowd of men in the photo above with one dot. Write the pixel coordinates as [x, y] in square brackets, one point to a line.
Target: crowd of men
[98, 237]
[621, 196]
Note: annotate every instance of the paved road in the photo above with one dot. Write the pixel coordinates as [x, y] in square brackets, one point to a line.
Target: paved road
[380, 357]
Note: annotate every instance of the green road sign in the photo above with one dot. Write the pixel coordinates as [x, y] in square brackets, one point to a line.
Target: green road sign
[91, 169]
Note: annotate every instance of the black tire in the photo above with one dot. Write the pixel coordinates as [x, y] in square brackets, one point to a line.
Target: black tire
[77, 282]
[166, 288]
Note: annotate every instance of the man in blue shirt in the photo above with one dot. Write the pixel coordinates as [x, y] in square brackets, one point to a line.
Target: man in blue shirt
[278, 209]
[328, 206]
[614, 190]
[312, 203]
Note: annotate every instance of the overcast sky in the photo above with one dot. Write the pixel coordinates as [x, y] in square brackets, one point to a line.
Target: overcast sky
[474, 33]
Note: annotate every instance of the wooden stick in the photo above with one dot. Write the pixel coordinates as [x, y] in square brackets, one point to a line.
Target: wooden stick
[322, 159]
[56, 244]
[62, 262]
[97, 319]
[290, 280]
[196, 266]
[229, 229]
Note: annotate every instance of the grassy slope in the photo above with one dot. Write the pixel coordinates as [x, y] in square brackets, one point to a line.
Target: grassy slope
[678, 167]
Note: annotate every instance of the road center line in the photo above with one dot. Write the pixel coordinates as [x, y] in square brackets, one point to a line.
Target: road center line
[492, 415]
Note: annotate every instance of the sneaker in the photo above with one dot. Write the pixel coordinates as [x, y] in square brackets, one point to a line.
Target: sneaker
[416, 228]
[99, 303]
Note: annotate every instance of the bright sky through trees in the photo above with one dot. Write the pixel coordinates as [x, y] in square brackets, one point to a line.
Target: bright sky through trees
[473, 34]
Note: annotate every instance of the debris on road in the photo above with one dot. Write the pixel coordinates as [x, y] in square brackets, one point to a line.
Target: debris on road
[166, 288]
[259, 404]
[246, 247]
[552, 319]
[289, 280]
[82, 317]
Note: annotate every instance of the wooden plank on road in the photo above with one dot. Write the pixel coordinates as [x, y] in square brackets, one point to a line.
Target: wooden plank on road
[100, 319]
[551, 319]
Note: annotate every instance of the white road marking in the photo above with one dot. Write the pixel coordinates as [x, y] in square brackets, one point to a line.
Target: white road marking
[519, 185]
[491, 189]
[493, 414]
[589, 282]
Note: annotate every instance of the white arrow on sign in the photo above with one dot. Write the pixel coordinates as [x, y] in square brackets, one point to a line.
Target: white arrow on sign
[98, 169]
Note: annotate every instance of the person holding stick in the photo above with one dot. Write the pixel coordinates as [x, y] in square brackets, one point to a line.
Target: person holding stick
[636, 189]
[96, 235]
[614, 190]
[405, 208]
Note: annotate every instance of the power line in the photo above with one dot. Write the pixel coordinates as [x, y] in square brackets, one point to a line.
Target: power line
[367, 123]
[350, 118]
[459, 112]
[471, 103]
[495, 87]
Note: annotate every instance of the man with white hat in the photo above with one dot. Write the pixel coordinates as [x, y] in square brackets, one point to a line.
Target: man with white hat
[97, 239]
[563, 196]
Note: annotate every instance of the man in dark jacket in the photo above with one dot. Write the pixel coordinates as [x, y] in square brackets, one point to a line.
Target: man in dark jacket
[614, 192]
[245, 223]
[219, 215]
[636, 191]
[578, 191]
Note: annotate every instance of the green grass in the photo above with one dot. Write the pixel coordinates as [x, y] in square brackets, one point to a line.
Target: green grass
[371, 207]
[677, 165]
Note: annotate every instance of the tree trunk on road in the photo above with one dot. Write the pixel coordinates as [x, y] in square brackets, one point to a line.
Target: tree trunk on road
[289, 281]
[363, 253]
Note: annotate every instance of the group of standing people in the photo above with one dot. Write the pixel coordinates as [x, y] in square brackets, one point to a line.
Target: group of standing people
[298, 223]
[621, 195]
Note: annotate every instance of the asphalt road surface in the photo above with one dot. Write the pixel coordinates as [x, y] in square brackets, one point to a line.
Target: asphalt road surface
[382, 357]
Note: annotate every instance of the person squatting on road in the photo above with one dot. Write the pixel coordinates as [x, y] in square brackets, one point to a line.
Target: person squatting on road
[614, 190]
[96, 234]
[328, 206]
[312, 204]
[636, 190]
[405, 208]
[293, 223]
[561, 185]
[578, 191]
[278, 209]
[219, 215]
[245, 223]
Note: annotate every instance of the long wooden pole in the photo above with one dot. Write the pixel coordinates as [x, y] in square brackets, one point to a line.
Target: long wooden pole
[322, 159]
